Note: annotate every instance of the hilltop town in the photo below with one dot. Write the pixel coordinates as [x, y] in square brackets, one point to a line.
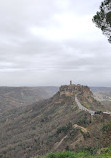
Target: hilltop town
[72, 89]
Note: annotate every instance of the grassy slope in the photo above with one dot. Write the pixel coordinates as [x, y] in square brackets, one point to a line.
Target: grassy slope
[105, 153]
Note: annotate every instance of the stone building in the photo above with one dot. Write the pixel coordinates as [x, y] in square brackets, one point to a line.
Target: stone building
[72, 89]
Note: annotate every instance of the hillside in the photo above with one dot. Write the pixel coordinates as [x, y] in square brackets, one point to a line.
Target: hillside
[103, 95]
[55, 124]
[11, 97]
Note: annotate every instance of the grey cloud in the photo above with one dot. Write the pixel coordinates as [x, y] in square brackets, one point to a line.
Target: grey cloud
[31, 60]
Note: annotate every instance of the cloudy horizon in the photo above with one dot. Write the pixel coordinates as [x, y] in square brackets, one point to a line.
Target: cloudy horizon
[50, 42]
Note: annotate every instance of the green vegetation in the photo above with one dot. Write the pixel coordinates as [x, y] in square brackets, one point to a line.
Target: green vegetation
[106, 127]
[106, 153]
[98, 112]
[84, 121]
[64, 129]
[48, 126]
[102, 19]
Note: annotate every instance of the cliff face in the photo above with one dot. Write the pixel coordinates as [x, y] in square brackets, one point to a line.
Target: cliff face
[71, 90]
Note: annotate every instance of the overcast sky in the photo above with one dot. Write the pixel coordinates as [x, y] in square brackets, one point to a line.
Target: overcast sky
[50, 42]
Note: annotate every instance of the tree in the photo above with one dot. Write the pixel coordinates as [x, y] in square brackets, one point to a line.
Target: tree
[102, 19]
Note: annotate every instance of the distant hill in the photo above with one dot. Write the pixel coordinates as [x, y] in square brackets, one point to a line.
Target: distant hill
[11, 97]
[103, 94]
[55, 124]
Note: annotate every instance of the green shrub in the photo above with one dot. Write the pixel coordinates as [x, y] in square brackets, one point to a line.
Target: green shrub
[64, 129]
[106, 127]
[84, 154]
[98, 112]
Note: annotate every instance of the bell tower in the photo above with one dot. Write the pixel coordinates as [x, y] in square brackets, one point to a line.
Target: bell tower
[70, 83]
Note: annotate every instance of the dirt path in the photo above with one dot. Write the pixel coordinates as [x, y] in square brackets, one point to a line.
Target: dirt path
[59, 143]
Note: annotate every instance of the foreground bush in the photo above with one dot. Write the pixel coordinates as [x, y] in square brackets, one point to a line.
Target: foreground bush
[69, 154]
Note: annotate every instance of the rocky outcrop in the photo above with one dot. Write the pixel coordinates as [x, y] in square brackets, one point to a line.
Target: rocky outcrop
[72, 89]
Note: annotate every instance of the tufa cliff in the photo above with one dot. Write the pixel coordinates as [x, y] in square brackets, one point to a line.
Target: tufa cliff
[72, 89]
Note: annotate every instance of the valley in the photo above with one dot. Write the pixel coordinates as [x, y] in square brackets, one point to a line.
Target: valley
[14, 97]
[103, 94]
[55, 124]
[43, 45]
